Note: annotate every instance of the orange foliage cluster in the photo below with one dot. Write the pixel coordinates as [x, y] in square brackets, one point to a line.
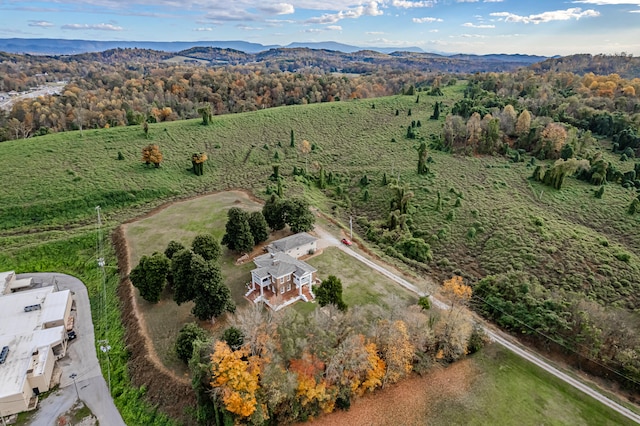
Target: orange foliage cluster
[151, 155]
[456, 289]
[236, 378]
[199, 158]
[610, 85]
[311, 386]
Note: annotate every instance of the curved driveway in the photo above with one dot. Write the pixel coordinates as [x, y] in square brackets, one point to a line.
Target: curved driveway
[81, 359]
[497, 337]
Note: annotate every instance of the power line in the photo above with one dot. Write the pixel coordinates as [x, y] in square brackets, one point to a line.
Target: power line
[606, 367]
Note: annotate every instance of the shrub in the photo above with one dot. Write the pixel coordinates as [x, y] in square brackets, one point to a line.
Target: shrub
[189, 333]
[424, 302]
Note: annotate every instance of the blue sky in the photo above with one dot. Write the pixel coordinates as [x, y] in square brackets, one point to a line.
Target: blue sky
[541, 27]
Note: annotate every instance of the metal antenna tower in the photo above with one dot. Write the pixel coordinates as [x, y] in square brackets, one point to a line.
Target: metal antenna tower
[104, 344]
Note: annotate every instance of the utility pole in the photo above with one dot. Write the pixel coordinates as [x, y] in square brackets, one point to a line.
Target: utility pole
[104, 344]
[73, 376]
[351, 228]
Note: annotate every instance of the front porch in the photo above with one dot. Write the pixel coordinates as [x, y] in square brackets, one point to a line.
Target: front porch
[277, 301]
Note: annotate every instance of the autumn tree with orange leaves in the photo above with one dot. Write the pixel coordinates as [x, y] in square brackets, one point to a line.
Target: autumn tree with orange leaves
[235, 377]
[453, 330]
[151, 155]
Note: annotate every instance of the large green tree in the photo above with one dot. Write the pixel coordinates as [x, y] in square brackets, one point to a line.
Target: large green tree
[238, 235]
[206, 246]
[259, 227]
[274, 213]
[183, 290]
[330, 292]
[187, 335]
[212, 297]
[298, 216]
[150, 276]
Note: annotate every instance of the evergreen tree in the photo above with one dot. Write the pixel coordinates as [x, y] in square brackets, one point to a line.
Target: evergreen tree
[183, 290]
[436, 111]
[298, 216]
[258, 226]
[212, 297]
[238, 235]
[422, 159]
[293, 141]
[322, 184]
[189, 333]
[273, 213]
[206, 246]
[150, 276]
[172, 248]
[330, 292]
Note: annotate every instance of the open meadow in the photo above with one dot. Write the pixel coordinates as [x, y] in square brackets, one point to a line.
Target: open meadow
[479, 216]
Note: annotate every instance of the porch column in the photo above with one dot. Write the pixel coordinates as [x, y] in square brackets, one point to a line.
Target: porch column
[261, 289]
[300, 288]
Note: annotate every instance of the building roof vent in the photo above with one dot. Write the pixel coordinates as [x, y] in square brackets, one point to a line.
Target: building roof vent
[30, 308]
[3, 354]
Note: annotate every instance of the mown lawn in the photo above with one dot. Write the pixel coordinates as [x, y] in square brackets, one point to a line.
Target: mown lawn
[509, 390]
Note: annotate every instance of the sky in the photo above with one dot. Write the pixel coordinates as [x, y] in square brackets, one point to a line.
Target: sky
[540, 27]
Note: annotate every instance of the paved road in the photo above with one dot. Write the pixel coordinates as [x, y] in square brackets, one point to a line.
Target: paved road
[81, 359]
[495, 336]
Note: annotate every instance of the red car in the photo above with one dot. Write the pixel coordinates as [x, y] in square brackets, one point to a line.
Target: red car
[346, 242]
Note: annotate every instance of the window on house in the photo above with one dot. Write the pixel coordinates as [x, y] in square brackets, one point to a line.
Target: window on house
[282, 290]
[289, 286]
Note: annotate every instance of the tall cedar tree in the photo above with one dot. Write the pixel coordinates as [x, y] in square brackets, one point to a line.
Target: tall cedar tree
[259, 227]
[238, 235]
[150, 276]
[206, 246]
[330, 292]
[273, 212]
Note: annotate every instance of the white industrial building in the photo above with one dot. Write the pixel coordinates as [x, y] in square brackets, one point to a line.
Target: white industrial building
[33, 335]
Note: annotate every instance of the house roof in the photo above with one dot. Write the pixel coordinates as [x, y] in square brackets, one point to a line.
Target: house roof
[292, 241]
[280, 264]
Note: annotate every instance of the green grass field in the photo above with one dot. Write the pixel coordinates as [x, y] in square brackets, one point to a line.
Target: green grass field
[571, 241]
[509, 390]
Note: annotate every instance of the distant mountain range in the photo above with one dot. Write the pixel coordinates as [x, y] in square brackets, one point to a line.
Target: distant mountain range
[51, 46]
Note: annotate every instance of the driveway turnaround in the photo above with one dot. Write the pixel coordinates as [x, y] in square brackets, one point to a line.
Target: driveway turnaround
[81, 360]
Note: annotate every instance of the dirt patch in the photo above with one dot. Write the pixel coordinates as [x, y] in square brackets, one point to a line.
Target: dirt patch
[170, 393]
[411, 400]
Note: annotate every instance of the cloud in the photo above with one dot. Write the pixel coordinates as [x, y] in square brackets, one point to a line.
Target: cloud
[369, 9]
[375, 32]
[277, 9]
[493, 1]
[404, 4]
[248, 28]
[608, 2]
[426, 20]
[203, 29]
[555, 15]
[472, 25]
[42, 24]
[93, 27]
[334, 28]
